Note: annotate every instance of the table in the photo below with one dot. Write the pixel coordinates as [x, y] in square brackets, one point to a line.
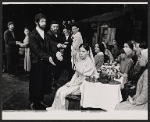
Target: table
[98, 95]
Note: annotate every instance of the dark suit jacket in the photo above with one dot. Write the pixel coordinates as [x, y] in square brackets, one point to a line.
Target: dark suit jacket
[54, 40]
[10, 43]
[67, 51]
[40, 48]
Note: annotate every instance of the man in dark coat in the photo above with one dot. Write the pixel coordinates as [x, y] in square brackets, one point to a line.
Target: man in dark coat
[41, 63]
[12, 49]
[57, 44]
[67, 52]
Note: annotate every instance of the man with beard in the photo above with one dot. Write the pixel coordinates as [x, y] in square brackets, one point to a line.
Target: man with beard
[12, 49]
[57, 45]
[41, 62]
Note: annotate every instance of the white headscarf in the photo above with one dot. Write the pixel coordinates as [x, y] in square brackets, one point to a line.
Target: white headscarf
[144, 54]
[128, 51]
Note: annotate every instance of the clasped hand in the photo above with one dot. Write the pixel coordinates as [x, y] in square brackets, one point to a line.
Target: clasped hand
[18, 43]
[59, 56]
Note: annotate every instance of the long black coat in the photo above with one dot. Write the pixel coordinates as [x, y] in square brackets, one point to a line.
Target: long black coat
[54, 41]
[67, 51]
[12, 52]
[10, 43]
[40, 82]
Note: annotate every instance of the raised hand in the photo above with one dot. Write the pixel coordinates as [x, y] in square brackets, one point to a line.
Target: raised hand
[51, 61]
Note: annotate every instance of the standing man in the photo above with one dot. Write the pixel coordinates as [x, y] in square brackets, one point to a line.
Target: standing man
[41, 62]
[67, 52]
[77, 41]
[63, 25]
[57, 45]
[12, 49]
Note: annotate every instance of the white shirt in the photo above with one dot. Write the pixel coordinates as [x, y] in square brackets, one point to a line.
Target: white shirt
[40, 31]
[67, 37]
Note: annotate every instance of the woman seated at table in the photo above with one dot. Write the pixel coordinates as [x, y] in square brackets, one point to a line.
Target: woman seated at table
[135, 73]
[130, 44]
[108, 53]
[85, 66]
[100, 56]
[126, 63]
[140, 100]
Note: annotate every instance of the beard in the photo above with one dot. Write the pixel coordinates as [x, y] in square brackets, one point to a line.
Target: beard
[54, 31]
[42, 26]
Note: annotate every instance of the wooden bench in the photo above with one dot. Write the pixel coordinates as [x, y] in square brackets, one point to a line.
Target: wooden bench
[74, 102]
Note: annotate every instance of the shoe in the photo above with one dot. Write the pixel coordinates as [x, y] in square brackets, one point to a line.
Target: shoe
[31, 106]
[37, 106]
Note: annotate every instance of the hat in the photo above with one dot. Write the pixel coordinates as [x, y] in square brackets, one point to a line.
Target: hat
[54, 22]
[39, 16]
[9, 23]
[144, 54]
[128, 51]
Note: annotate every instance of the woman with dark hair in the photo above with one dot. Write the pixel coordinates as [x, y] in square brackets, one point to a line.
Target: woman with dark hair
[115, 49]
[140, 100]
[27, 60]
[100, 56]
[130, 44]
[108, 53]
[135, 72]
[85, 66]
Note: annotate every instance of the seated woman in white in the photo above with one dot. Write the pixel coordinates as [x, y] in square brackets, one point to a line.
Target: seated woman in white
[140, 100]
[85, 66]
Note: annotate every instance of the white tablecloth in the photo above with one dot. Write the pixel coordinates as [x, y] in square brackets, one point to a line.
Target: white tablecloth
[98, 95]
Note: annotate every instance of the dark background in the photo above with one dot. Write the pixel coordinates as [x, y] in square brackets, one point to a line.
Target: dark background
[23, 14]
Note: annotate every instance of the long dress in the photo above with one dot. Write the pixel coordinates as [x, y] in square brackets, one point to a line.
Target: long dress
[140, 99]
[83, 68]
[77, 41]
[27, 60]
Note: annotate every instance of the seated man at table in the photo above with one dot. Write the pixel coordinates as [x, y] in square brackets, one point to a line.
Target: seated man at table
[140, 100]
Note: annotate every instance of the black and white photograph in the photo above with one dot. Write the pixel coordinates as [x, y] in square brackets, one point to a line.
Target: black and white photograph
[74, 60]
